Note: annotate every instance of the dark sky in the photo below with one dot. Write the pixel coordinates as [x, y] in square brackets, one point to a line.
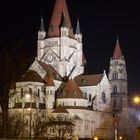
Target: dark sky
[100, 21]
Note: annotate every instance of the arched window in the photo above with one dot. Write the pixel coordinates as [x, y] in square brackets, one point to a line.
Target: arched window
[114, 104]
[43, 100]
[115, 89]
[89, 97]
[21, 92]
[74, 93]
[104, 97]
[115, 75]
[38, 92]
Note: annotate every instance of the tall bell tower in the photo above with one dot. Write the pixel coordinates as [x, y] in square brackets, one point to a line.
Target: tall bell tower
[62, 48]
[118, 80]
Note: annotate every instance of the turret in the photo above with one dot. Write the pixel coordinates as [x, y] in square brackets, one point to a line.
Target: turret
[64, 28]
[50, 91]
[78, 35]
[41, 36]
[41, 32]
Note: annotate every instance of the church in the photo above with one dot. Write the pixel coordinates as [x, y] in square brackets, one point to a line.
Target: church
[56, 78]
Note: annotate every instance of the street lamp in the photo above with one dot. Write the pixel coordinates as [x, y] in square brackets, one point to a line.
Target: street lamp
[120, 137]
[95, 138]
[136, 99]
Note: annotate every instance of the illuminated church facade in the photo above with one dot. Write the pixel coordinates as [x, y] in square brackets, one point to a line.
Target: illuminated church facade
[57, 77]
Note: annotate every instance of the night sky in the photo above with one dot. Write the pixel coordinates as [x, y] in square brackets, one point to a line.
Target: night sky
[100, 22]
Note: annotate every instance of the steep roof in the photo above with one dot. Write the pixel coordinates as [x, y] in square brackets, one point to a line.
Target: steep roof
[50, 70]
[70, 90]
[49, 80]
[32, 76]
[117, 52]
[60, 9]
[60, 109]
[88, 80]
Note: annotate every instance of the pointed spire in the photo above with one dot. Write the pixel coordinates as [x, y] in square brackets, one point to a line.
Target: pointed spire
[78, 31]
[60, 9]
[117, 52]
[42, 25]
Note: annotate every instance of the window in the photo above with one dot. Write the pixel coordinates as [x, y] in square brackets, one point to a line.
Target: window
[44, 90]
[115, 75]
[104, 97]
[74, 103]
[115, 89]
[89, 97]
[83, 82]
[51, 28]
[50, 92]
[38, 92]
[63, 33]
[43, 100]
[86, 94]
[63, 93]
[21, 92]
[124, 103]
[54, 75]
[74, 93]
[114, 103]
[30, 90]
[63, 103]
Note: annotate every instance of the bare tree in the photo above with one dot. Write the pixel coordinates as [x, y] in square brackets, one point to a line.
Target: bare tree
[126, 124]
[40, 126]
[60, 127]
[14, 62]
[15, 125]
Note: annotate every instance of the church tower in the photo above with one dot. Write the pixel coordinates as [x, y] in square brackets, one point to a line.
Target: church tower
[61, 48]
[118, 80]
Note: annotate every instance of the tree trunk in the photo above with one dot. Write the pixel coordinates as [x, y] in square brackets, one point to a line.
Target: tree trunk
[4, 119]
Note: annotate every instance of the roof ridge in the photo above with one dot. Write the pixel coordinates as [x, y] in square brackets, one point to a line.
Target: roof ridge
[60, 9]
